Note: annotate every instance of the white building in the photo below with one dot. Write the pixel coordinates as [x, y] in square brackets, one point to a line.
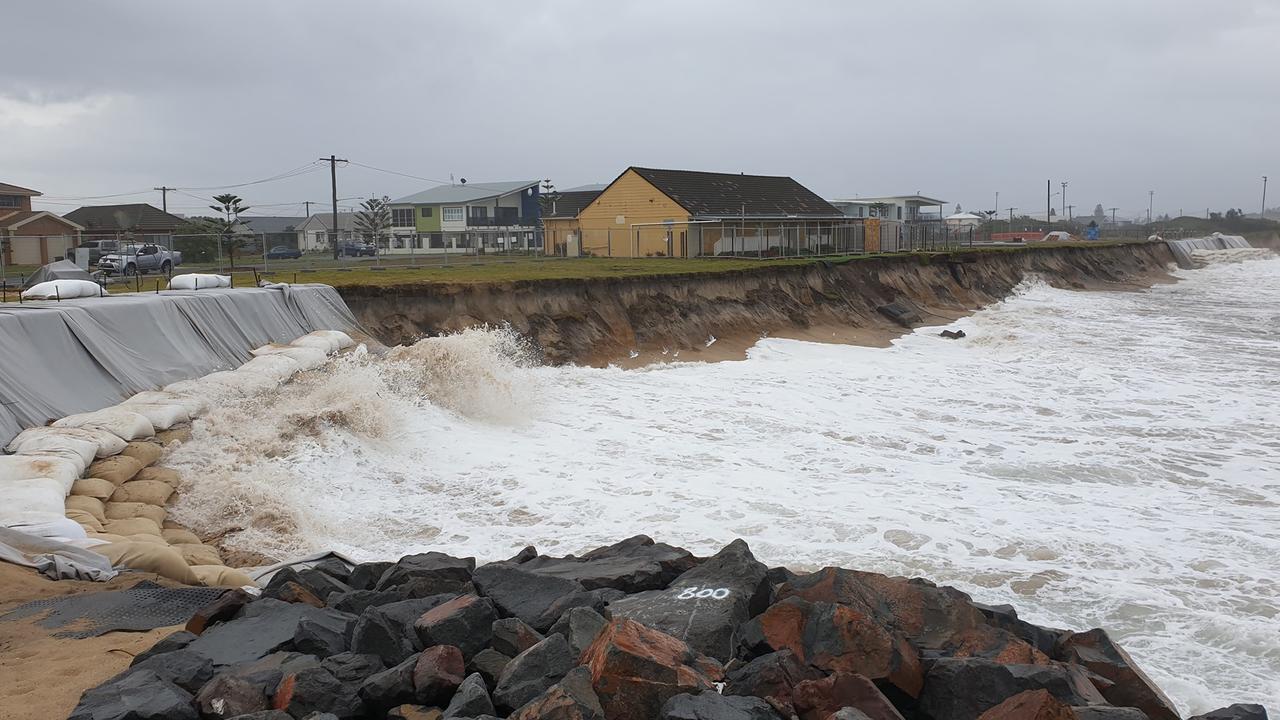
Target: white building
[963, 221]
[898, 208]
[313, 235]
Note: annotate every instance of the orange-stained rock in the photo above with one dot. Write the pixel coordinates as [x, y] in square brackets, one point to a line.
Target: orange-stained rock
[636, 669]
[1030, 705]
[995, 644]
[1130, 687]
[835, 638]
[816, 699]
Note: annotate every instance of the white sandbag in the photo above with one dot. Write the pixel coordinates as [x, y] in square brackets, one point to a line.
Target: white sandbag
[161, 416]
[64, 446]
[340, 338]
[62, 290]
[199, 281]
[308, 358]
[276, 367]
[330, 340]
[121, 423]
[107, 443]
[19, 468]
[239, 383]
[54, 528]
[32, 501]
[193, 404]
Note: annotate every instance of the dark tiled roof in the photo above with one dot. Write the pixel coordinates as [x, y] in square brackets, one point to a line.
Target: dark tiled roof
[139, 216]
[272, 223]
[7, 189]
[569, 204]
[707, 194]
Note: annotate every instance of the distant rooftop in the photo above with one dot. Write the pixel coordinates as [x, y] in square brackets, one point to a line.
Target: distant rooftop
[468, 193]
[7, 189]
[271, 223]
[712, 194]
[569, 203]
[922, 199]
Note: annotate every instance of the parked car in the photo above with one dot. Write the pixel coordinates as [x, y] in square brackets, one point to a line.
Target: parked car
[95, 248]
[139, 259]
[283, 252]
[356, 250]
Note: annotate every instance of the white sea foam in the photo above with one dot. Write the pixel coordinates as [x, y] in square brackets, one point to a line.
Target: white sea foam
[1096, 459]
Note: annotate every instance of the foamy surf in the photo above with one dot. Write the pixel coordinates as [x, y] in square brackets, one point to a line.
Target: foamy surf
[1096, 459]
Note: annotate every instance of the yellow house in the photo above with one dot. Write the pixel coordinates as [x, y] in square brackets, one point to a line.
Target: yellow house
[648, 212]
[561, 234]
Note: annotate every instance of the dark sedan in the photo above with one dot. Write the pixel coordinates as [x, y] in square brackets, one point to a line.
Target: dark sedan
[283, 252]
[356, 250]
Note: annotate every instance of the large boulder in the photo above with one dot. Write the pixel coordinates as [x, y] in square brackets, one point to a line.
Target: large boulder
[1130, 686]
[570, 699]
[1109, 712]
[387, 630]
[316, 690]
[993, 643]
[466, 622]
[471, 699]
[357, 601]
[817, 699]
[532, 672]
[351, 667]
[772, 677]
[835, 638]
[437, 674]
[524, 594]
[225, 607]
[172, 642]
[632, 565]
[1006, 618]
[248, 687]
[139, 695]
[389, 688]
[635, 670]
[512, 636]
[489, 664]
[964, 688]
[365, 576]
[262, 628]
[580, 626]
[714, 706]
[443, 573]
[1235, 712]
[187, 669]
[706, 605]
[323, 632]
[1030, 705]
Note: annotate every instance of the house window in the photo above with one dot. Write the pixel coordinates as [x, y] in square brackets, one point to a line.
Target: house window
[320, 238]
[402, 217]
[10, 201]
[452, 214]
[426, 211]
[479, 212]
[899, 212]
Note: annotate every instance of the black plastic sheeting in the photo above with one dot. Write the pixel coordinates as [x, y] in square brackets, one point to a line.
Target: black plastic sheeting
[62, 358]
[145, 606]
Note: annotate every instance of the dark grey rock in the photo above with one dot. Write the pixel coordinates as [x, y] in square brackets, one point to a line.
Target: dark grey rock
[714, 706]
[522, 593]
[471, 699]
[579, 626]
[964, 688]
[706, 606]
[334, 568]
[357, 601]
[264, 715]
[769, 676]
[532, 672]
[466, 622]
[1106, 712]
[138, 695]
[316, 690]
[169, 643]
[527, 553]
[447, 571]
[902, 312]
[389, 688]
[323, 632]
[262, 628]
[512, 636]
[632, 565]
[595, 600]
[387, 630]
[322, 583]
[489, 663]
[780, 575]
[1235, 712]
[572, 698]
[353, 667]
[849, 713]
[248, 687]
[187, 669]
[365, 576]
[1006, 618]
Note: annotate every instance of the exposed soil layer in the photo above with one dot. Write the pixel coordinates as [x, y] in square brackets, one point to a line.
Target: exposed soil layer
[633, 321]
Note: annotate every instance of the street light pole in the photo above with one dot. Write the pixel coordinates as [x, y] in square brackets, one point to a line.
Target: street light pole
[1151, 199]
[1264, 198]
[1064, 200]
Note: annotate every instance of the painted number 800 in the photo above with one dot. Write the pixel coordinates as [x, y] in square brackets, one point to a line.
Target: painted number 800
[691, 593]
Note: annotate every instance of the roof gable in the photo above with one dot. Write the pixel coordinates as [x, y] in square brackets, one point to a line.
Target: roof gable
[471, 192]
[134, 217]
[7, 189]
[570, 204]
[707, 194]
[13, 221]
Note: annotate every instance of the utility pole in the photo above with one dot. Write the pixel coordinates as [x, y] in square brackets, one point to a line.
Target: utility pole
[1264, 198]
[1113, 215]
[333, 161]
[1064, 199]
[164, 196]
[1070, 209]
[1048, 202]
[997, 202]
[1011, 218]
[308, 204]
[1151, 199]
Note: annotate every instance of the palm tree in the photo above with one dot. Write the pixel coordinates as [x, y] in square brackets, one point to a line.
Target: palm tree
[230, 206]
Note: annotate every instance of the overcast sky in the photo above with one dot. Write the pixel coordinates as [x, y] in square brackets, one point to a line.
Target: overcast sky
[954, 99]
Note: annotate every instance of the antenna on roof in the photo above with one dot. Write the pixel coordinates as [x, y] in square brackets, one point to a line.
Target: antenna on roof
[464, 181]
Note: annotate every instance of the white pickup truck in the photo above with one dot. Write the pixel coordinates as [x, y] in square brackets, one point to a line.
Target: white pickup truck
[139, 260]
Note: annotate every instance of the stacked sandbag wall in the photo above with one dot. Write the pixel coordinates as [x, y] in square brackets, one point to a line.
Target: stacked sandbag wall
[92, 479]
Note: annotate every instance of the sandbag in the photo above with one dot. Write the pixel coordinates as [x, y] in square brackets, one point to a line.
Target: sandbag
[276, 367]
[84, 519]
[193, 405]
[329, 346]
[199, 554]
[199, 281]
[308, 358]
[108, 444]
[26, 467]
[151, 492]
[117, 470]
[168, 437]
[34, 500]
[122, 423]
[165, 475]
[59, 528]
[130, 510]
[336, 338]
[179, 536]
[84, 503]
[63, 290]
[80, 450]
[94, 487]
[158, 559]
[144, 452]
[132, 526]
[161, 416]
[242, 384]
[107, 537]
[222, 576]
[149, 539]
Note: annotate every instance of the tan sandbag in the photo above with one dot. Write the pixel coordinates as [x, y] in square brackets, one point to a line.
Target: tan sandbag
[172, 525]
[159, 559]
[179, 536]
[178, 434]
[87, 521]
[149, 539]
[143, 451]
[108, 537]
[118, 470]
[221, 576]
[93, 487]
[132, 526]
[199, 554]
[130, 510]
[151, 492]
[165, 475]
[91, 505]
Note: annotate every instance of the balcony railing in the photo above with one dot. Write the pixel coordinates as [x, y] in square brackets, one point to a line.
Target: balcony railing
[501, 221]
